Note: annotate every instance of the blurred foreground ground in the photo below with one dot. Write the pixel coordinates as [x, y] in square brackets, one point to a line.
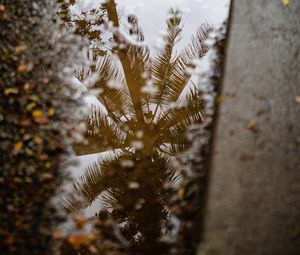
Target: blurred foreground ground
[254, 191]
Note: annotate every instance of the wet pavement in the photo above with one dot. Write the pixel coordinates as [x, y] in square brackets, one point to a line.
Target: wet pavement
[253, 199]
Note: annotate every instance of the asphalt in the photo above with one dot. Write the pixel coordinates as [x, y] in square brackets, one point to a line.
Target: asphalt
[254, 186]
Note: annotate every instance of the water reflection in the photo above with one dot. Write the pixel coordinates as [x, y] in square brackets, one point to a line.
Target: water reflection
[146, 104]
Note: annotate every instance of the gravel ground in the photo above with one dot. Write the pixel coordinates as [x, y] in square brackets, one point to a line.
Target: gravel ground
[33, 130]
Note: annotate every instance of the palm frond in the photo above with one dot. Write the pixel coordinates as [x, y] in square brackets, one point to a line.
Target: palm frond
[102, 134]
[181, 67]
[172, 149]
[97, 178]
[114, 94]
[197, 48]
[185, 64]
[139, 57]
[164, 62]
[188, 114]
[174, 123]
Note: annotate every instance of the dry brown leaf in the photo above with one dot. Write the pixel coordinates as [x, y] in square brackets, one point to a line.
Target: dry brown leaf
[41, 120]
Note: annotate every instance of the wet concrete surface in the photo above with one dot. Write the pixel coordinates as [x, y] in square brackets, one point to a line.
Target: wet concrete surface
[254, 191]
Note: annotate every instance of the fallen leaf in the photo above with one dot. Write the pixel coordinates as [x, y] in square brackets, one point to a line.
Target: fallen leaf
[37, 113]
[246, 157]
[10, 240]
[181, 193]
[37, 139]
[45, 80]
[20, 49]
[78, 240]
[220, 98]
[57, 234]
[51, 112]
[34, 98]
[46, 176]
[80, 221]
[93, 249]
[133, 185]
[48, 165]
[297, 99]
[42, 157]
[25, 122]
[27, 86]
[2, 8]
[22, 68]
[252, 126]
[10, 91]
[17, 147]
[30, 106]
[285, 2]
[41, 120]
[17, 180]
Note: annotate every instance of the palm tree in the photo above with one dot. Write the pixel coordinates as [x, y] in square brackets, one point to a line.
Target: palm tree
[149, 105]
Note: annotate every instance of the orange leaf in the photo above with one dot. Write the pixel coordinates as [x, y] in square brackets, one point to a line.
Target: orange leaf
[93, 249]
[37, 113]
[42, 157]
[10, 240]
[20, 48]
[57, 234]
[25, 122]
[41, 120]
[37, 139]
[77, 240]
[80, 221]
[27, 86]
[22, 68]
[17, 147]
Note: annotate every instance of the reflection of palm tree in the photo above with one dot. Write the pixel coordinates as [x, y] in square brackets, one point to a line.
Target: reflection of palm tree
[148, 113]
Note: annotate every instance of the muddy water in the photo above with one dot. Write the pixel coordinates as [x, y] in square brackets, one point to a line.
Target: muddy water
[142, 105]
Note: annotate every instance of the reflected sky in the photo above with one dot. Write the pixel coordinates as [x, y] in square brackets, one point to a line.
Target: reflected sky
[152, 14]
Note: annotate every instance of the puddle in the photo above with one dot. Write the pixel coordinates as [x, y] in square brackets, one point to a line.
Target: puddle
[144, 101]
